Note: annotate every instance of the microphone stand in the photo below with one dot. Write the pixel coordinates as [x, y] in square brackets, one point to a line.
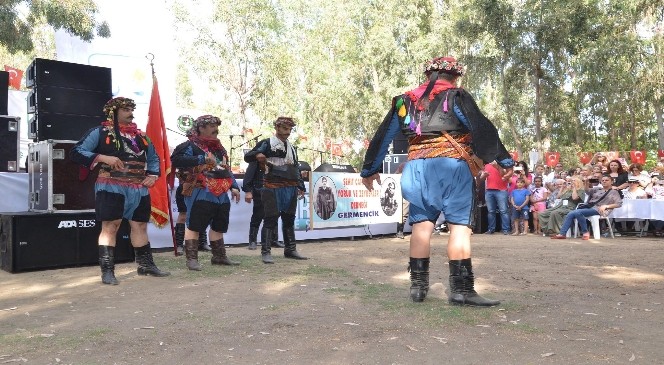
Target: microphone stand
[230, 153]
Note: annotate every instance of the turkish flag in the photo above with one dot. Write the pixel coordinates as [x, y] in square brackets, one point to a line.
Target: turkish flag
[156, 131]
[551, 158]
[15, 77]
[585, 157]
[638, 156]
[660, 153]
[612, 155]
[515, 155]
[336, 149]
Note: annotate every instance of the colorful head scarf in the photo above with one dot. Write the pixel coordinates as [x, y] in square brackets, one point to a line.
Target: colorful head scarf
[448, 65]
[287, 121]
[117, 103]
[202, 121]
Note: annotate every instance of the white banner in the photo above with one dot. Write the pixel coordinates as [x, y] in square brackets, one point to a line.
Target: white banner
[16, 200]
[339, 199]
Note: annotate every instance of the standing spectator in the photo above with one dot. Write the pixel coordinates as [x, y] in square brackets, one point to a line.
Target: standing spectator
[129, 166]
[519, 199]
[538, 196]
[618, 175]
[550, 179]
[496, 197]
[599, 160]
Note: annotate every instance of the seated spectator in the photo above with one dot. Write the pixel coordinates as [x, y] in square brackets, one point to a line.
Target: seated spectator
[634, 190]
[656, 188]
[636, 171]
[601, 201]
[568, 197]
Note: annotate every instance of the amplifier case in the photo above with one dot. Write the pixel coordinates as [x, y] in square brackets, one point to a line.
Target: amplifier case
[43, 72]
[44, 126]
[53, 179]
[34, 241]
[10, 149]
[54, 99]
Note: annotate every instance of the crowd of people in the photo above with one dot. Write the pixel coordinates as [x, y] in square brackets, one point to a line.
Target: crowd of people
[539, 201]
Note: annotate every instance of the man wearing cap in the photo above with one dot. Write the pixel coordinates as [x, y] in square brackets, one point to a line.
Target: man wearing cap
[129, 166]
[439, 119]
[281, 187]
[206, 179]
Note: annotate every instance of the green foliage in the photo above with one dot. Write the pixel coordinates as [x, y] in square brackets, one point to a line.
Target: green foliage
[20, 18]
[550, 73]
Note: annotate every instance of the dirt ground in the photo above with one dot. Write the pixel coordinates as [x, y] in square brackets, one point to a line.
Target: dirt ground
[564, 302]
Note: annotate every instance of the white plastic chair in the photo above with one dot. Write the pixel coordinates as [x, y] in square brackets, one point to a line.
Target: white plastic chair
[594, 223]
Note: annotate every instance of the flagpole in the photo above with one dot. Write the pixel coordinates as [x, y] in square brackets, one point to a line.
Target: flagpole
[150, 57]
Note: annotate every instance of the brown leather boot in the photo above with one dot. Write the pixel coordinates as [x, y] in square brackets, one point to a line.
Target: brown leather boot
[219, 253]
[191, 252]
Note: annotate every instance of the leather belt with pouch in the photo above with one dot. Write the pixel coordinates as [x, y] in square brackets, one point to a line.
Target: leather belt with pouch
[217, 174]
[286, 172]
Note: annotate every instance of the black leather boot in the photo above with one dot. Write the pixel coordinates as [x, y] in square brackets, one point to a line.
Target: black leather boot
[400, 230]
[191, 252]
[219, 253]
[275, 240]
[265, 245]
[419, 278]
[289, 242]
[462, 285]
[145, 262]
[253, 237]
[107, 264]
[203, 241]
[179, 238]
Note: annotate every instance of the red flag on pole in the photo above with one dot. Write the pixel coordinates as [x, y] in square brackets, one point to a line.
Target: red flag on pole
[638, 156]
[551, 158]
[156, 131]
[15, 77]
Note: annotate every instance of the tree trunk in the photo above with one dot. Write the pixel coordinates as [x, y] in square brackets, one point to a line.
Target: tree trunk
[659, 117]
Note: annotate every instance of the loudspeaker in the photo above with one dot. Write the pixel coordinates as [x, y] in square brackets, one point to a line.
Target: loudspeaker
[60, 100]
[43, 72]
[44, 126]
[34, 241]
[54, 179]
[4, 92]
[10, 151]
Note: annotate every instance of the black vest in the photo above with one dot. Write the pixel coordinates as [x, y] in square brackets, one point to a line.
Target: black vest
[433, 120]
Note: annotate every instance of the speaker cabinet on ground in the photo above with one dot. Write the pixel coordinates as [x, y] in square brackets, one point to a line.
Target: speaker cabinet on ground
[44, 126]
[9, 145]
[35, 241]
[4, 92]
[54, 179]
[43, 72]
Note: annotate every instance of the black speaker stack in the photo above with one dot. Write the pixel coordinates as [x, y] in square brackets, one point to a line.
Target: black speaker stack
[59, 230]
[66, 99]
